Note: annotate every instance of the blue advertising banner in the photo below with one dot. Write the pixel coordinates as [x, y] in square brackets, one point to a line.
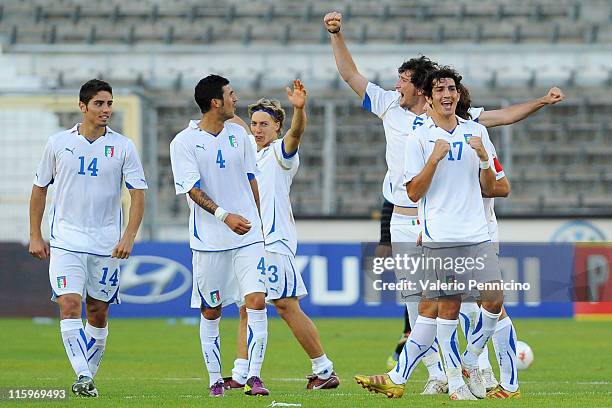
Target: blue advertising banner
[156, 281]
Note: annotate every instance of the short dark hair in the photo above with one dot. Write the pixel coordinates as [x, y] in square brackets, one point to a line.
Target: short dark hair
[207, 89]
[419, 68]
[443, 72]
[464, 104]
[91, 88]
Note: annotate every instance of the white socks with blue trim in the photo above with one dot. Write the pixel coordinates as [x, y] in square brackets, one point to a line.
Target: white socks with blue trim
[468, 317]
[211, 348]
[257, 339]
[75, 344]
[479, 337]
[418, 343]
[96, 344]
[449, 345]
[504, 343]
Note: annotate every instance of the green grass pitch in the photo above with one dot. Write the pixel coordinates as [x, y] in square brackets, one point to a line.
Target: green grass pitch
[151, 363]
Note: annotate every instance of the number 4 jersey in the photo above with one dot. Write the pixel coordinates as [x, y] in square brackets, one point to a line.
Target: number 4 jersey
[221, 166]
[86, 215]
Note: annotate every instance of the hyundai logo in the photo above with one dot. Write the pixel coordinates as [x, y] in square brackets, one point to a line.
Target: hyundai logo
[159, 279]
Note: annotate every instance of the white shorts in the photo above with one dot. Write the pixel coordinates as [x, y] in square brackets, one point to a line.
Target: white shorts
[405, 231]
[283, 279]
[226, 277]
[84, 274]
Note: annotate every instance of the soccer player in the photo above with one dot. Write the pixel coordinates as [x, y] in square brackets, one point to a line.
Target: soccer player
[87, 164]
[214, 166]
[277, 164]
[447, 181]
[402, 111]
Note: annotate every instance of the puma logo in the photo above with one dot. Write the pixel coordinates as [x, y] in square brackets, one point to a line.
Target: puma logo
[179, 184]
[201, 147]
[69, 150]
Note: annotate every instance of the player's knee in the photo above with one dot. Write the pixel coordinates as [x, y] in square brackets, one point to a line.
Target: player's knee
[428, 308]
[493, 301]
[211, 313]
[287, 307]
[97, 312]
[70, 306]
[255, 301]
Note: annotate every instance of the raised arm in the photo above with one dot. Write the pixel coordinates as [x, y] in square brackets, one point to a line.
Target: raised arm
[514, 113]
[137, 207]
[38, 247]
[344, 61]
[418, 186]
[298, 98]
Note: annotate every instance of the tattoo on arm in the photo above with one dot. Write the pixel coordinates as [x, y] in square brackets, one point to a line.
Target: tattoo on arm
[203, 200]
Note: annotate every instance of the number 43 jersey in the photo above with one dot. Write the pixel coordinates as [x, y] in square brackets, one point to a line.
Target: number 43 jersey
[86, 215]
[221, 166]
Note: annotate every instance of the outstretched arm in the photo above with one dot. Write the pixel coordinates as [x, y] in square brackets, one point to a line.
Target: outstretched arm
[297, 97]
[514, 113]
[344, 61]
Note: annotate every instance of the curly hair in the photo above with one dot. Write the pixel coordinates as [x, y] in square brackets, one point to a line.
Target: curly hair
[272, 107]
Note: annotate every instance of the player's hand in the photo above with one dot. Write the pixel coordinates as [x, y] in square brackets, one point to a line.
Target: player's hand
[476, 144]
[298, 96]
[440, 150]
[383, 251]
[333, 22]
[553, 96]
[238, 224]
[39, 248]
[123, 248]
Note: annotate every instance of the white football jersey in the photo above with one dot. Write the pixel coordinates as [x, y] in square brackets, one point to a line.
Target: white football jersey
[275, 172]
[220, 165]
[398, 124]
[86, 215]
[452, 210]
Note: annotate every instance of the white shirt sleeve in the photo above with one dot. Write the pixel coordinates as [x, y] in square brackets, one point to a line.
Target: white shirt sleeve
[475, 113]
[184, 167]
[414, 158]
[286, 161]
[45, 172]
[250, 155]
[378, 100]
[133, 172]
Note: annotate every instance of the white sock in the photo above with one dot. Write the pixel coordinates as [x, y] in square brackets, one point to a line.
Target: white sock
[96, 344]
[447, 338]
[480, 335]
[240, 370]
[322, 366]
[211, 348]
[432, 361]
[257, 339]
[74, 341]
[420, 339]
[483, 359]
[504, 343]
[469, 313]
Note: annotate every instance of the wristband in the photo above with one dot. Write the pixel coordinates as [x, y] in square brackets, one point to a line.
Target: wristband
[221, 214]
[484, 165]
[333, 32]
